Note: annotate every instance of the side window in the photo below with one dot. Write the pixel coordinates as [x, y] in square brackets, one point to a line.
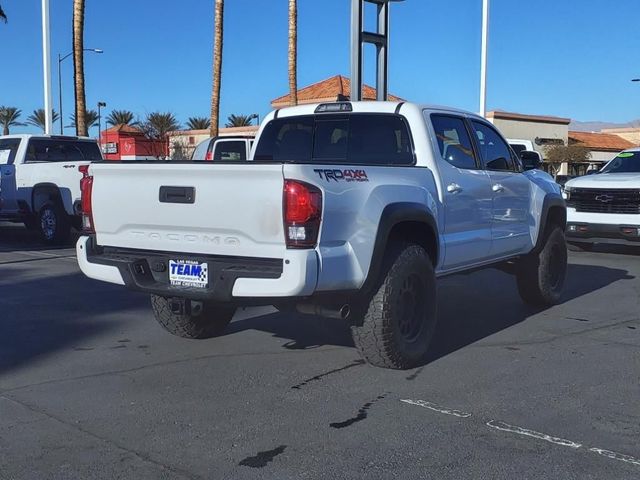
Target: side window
[8, 150]
[494, 151]
[90, 151]
[41, 150]
[230, 151]
[453, 141]
[72, 152]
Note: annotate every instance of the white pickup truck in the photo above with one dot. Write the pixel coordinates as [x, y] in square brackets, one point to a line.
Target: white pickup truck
[604, 207]
[348, 210]
[40, 181]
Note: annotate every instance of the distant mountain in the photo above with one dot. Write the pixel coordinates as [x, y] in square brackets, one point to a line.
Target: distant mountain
[595, 126]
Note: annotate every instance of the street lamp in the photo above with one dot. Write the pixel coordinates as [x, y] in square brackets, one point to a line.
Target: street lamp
[100, 105]
[483, 57]
[256, 117]
[636, 80]
[60, 60]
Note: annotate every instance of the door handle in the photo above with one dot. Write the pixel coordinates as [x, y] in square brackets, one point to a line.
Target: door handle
[454, 188]
[497, 188]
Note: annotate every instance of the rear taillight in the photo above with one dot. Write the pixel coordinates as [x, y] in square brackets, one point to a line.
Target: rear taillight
[302, 214]
[86, 189]
[209, 156]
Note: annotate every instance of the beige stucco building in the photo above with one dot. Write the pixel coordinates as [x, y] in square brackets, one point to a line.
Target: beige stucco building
[540, 130]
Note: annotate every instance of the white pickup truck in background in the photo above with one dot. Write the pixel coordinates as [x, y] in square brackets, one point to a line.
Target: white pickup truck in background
[347, 210]
[604, 206]
[224, 149]
[40, 182]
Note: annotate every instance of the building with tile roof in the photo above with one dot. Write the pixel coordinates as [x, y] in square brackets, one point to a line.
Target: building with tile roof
[333, 89]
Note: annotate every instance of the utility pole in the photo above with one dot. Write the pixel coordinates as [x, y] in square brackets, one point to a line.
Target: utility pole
[483, 60]
[46, 67]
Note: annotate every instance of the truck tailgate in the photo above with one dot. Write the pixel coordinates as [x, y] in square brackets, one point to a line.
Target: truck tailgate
[215, 209]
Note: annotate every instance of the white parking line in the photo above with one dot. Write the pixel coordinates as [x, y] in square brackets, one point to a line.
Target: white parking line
[505, 427]
[616, 456]
[437, 408]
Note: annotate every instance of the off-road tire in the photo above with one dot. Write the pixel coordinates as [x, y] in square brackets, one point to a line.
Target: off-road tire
[400, 317]
[54, 224]
[210, 322]
[541, 274]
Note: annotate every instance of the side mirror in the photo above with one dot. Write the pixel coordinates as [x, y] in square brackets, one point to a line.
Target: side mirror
[592, 172]
[530, 160]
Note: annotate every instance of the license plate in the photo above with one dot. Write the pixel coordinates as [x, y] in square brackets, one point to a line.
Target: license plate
[187, 273]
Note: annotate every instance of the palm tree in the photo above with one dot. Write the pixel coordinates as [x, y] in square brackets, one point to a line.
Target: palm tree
[121, 117]
[239, 120]
[198, 123]
[91, 119]
[78, 62]
[156, 127]
[293, 52]
[218, 30]
[3, 16]
[9, 118]
[37, 118]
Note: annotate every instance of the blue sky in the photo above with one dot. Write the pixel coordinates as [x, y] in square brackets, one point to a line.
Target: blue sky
[571, 58]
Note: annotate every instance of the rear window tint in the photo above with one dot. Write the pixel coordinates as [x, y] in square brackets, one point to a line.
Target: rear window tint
[370, 139]
[53, 150]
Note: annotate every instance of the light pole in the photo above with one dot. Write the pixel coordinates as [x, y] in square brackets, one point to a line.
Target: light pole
[60, 60]
[483, 58]
[100, 105]
[256, 117]
[46, 68]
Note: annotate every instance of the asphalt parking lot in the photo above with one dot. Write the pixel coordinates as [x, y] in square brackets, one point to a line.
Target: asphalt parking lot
[91, 387]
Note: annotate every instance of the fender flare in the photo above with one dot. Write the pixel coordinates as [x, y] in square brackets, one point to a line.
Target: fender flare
[51, 187]
[551, 201]
[392, 215]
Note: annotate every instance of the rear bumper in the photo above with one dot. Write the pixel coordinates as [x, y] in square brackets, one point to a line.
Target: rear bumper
[230, 277]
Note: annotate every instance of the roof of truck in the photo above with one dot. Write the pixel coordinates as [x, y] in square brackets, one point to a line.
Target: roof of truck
[42, 135]
[370, 107]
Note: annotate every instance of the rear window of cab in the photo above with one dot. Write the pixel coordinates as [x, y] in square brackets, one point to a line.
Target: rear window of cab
[358, 138]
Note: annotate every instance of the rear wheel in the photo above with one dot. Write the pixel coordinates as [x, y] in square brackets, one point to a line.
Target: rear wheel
[541, 275]
[54, 224]
[401, 316]
[195, 320]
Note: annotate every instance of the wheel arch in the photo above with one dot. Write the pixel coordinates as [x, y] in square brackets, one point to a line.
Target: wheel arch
[46, 192]
[403, 221]
[554, 214]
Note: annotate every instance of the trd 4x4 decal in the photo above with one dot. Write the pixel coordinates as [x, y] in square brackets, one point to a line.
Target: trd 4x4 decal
[342, 175]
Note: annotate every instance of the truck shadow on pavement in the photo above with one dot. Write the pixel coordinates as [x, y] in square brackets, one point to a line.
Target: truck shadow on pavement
[14, 236]
[471, 307]
[39, 317]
